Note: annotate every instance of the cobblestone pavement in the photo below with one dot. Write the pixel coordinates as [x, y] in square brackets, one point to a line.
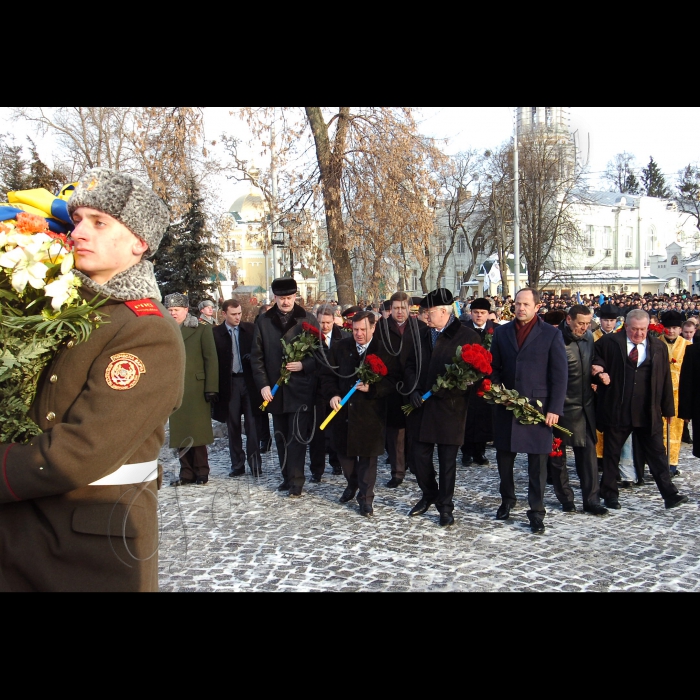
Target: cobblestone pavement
[241, 534]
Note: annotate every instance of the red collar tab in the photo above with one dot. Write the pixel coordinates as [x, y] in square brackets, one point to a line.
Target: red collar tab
[144, 307]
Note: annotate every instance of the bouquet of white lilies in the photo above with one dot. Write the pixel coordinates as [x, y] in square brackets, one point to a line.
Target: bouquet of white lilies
[40, 308]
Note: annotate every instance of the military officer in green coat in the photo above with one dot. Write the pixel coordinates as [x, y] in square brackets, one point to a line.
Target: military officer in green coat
[190, 425]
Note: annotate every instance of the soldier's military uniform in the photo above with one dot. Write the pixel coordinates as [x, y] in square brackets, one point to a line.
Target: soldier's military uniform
[78, 503]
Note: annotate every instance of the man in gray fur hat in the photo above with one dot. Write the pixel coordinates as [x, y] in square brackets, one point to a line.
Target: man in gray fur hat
[78, 503]
[207, 312]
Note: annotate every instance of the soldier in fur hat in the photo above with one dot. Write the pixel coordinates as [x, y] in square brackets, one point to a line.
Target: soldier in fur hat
[78, 503]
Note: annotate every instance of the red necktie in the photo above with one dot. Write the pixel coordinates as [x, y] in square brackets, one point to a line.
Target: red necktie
[634, 355]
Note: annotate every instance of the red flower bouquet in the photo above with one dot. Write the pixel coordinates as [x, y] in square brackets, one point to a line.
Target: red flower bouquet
[556, 448]
[299, 348]
[469, 365]
[369, 372]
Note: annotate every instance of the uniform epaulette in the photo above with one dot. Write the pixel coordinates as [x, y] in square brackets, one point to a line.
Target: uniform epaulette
[144, 307]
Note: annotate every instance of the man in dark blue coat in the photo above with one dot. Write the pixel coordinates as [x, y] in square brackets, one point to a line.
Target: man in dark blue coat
[528, 356]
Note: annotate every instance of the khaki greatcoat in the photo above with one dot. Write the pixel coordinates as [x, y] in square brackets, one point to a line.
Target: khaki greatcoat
[58, 533]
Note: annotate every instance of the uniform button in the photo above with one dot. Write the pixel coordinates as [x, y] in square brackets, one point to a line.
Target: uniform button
[53, 378]
[70, 344]
[50, 415]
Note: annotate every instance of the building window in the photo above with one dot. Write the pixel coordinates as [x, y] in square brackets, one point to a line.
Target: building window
[589, 240]
[548, 117]
[533, 111]
[461, 245]
[607, 237]
[627, 237]
[414, 279]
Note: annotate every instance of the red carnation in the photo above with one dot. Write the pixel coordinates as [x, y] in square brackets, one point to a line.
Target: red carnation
[490, 331]
[673, 360]
[376, 365]
[311, 329]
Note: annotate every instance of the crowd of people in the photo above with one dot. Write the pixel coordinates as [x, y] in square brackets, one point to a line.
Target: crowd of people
[78, 502]
[601, 367]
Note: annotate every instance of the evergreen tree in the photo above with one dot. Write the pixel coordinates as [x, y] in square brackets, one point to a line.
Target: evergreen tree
[13, 168]
[185, 259]
[40, 175]
[653, 181]
[688, 187]
[620, 173]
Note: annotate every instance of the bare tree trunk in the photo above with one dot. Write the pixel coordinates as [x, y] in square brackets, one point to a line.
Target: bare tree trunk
[331, 166]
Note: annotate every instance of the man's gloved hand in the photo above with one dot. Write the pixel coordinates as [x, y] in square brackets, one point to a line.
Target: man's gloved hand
[416, 399]
[211, 397]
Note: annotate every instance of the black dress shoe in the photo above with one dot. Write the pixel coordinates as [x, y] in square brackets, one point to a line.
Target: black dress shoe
[181, 482]
[675, 472]
[596, 510]
[366, 510]
[256, 472]
[394, 482]
[624, 484]
[265, 446]
[237, 472]
[284, 486]
[446, 520]
[348, 495]
[568, 507]
[481, 460]
[466, 460]
[640, 482]
[295, 491]
[337, 471]
[201, 482]
[536, 526]
[315, 479]
[503, 512]
[420, 507]
[675, 500]
[612, 503]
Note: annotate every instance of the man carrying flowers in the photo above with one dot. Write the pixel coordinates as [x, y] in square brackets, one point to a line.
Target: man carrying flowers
[440, 419]
[293, 383]
[78, 502]
[359, 430]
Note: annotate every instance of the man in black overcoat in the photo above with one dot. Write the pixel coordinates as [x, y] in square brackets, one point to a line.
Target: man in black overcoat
[440, 419]
[478, 429]
[392, 333]
[237, 392]
[358, 431]
[635, 397]
[689, 392]
[579, 416]
[320, 442]
[292, 406]
[528, 356]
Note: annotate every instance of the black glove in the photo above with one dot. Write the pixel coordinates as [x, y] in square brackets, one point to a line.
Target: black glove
[416, 399]
[211, 397]
[246, 357]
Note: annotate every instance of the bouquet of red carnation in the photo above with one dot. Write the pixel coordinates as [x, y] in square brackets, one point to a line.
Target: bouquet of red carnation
[556, 448]
[485, 386]
[656, 330]
[369, 372]
[471, 364]
[300, 347]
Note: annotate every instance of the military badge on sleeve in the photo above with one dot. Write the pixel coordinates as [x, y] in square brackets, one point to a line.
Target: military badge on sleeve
[123, 371]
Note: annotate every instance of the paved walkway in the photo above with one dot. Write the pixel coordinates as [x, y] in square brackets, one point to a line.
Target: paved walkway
[243, 535]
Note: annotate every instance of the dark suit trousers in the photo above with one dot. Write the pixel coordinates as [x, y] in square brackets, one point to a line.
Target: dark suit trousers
[440, 492]
[320, 443]
[652, 445]
[537, 481]
[586, 468]
[395, 446]
[194, 464]
[361, 473]
[292, 435]
[240, 405]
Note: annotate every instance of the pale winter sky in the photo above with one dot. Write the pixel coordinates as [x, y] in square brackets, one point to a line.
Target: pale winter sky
[670, 134]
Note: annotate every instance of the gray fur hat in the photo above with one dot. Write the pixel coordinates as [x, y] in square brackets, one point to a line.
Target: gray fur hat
[127, 199]
[204, 303]
[176, 300]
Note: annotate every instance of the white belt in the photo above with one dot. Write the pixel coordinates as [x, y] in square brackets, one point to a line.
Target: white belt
[130, 474]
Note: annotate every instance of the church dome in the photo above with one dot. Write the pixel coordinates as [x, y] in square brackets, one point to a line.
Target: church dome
[250, 207]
